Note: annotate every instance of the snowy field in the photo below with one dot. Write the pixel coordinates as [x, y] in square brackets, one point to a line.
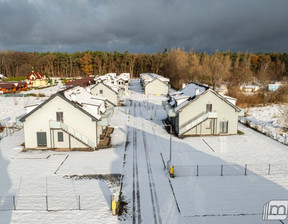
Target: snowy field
[12, 107]
[266, 120]
[140, 138]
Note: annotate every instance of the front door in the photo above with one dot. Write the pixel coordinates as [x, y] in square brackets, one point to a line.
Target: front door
[41, 139]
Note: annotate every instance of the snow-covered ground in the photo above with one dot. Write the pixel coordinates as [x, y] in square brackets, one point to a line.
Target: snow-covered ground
[12, 107]
[266, 120]
[141, 148]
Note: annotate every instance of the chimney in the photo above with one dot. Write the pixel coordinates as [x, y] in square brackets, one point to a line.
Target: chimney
[197, 91]
[183, 85]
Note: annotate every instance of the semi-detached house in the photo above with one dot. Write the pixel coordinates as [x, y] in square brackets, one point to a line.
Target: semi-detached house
[70, 119]
[106, 91]
[199, 110]
[154, 84]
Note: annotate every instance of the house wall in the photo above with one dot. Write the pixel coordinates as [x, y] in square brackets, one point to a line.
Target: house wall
[107, 92]
[156, 87]
[39, 122]
[225, 112]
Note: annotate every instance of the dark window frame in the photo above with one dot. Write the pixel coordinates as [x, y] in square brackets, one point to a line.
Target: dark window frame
[60, 136]
[59, 116]
[223, 126]
[208, 108]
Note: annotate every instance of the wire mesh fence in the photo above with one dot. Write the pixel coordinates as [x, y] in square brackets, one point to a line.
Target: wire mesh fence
[6, 131]
[52, 203]
[231, 170]
[279, 136]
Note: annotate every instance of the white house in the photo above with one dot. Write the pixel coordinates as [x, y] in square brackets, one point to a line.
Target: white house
[273, 86]
[110, 93]
[249, 88]
[70, 120]
[156, 87]
[199, 110]
[154, 84]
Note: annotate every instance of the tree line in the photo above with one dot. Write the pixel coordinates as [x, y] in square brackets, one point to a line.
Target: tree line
[14, 63]
[179, 65]
[233, 69]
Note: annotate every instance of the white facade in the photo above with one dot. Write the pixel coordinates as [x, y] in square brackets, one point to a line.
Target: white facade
[70, 119]
[156, 87]
[79, 126]
[198, 110]
[103, 90]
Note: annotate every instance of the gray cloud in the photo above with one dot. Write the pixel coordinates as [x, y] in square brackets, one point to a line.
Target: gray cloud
[144, 25]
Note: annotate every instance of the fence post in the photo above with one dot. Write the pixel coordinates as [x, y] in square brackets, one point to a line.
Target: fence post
[79, 202]
[197, 170]
[14, 204]
[245, 169]
[269, 169]
[222, 170]
[46, 203]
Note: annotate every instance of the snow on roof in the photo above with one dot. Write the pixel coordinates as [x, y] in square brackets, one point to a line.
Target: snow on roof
[88, 101]
[182, 105]
[125, 75]
[148, 77]
[189, 91]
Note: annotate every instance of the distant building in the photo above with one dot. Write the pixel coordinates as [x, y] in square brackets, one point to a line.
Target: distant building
[12, 87]
[154, 84]
[8, 87]
[84, 82]
[222, 89]
[249, 88]
[37, 79]
[274, 86]
[106, 91]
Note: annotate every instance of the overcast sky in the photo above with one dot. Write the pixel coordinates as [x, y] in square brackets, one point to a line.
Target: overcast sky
[144, 26]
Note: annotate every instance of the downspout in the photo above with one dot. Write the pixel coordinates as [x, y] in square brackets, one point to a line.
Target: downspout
[50, 139]
[70, 142]
[96, 135]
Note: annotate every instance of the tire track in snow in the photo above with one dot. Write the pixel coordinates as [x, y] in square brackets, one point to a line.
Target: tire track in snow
[153, 193]
[136, 192]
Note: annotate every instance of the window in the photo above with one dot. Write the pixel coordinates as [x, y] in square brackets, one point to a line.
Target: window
[224, 127]
[101, 91]
[208, 108]
[60, 136]
[59, 116]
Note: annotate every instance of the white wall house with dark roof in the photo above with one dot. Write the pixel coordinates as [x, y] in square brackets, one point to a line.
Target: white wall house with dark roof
[156, 87]
[67, 120]
[106, 91]
[154, 84]
[199, 110]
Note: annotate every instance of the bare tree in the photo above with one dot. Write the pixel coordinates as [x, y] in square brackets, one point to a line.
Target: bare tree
[283, 109]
